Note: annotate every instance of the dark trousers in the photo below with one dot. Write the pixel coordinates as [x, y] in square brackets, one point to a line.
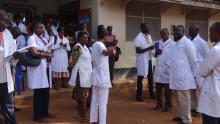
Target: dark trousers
[150, 79]
[111, 66]
[150, 83]
[167, 94]
[210, 120]
[41, 103]
[7, 104]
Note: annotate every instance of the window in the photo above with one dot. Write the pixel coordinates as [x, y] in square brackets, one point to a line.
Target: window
[139, 12]
[199, 17]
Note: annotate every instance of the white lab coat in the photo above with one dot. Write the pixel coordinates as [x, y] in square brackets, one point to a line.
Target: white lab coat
[162, 69]
[21, 26]
[9, 48]
[37, 76]
[100, 74]
[202, 50]
[183, 65]
[59, 61]
[142, 59]
[84, 67]
[210, 92]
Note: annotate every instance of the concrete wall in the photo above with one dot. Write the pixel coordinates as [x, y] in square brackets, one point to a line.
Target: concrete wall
[93, 5]
[42, 6]
[111, 12]
[172, 16]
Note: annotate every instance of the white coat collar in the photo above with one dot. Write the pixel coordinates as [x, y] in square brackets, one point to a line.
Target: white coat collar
[196, 38]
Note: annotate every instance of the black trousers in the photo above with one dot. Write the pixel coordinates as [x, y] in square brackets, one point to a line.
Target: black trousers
[111, 66]
[7, 104]
[150, 79]
[167, 94]
[210, 120]
[41, 103]
[139, 91]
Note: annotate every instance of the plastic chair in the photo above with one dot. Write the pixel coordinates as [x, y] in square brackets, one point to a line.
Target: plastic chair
[19, 79]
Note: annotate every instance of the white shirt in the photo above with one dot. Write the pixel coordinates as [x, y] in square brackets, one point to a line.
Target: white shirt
[201, 52]
[162, 69]
[84, 67]
[9, 48]
[210, 92]
[3, 78]
[60, 57]
[142, 59]
[37, 76]
[21, 26]
[183, 65]
[100, 74]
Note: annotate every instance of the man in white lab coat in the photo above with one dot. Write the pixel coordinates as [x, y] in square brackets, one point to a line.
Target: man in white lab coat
[182, 77]
[162, 71]
[210, 91]
[7, 49]
[142, 43]
[201, 51]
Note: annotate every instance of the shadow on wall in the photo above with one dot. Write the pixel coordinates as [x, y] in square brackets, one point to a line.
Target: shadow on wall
[125, 74]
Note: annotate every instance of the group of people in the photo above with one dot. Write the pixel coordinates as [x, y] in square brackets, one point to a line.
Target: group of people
[84, 65]
[186, 68]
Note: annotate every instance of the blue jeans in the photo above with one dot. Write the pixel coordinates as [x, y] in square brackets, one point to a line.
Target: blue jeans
[7, 104]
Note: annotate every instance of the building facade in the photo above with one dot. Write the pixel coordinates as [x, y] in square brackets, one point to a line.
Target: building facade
[126, 15]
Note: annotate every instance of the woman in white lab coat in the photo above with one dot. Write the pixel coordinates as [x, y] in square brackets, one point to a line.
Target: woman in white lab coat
[38, 77]
[81, 73]
[210, 69]
[60, 60]
[100, 79]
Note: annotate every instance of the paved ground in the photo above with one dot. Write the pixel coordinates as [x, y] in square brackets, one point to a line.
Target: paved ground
[122, 109]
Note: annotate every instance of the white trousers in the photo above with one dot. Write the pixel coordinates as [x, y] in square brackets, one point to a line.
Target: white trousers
[99, 104]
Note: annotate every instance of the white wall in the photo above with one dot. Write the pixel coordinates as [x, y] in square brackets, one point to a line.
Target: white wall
[42, 6]
[112, 13]
[93, 5]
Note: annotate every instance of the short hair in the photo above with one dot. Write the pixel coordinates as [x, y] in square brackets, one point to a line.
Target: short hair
[143, 25]
[181, 27]
[216, 27]
[81, 33]
[100, 27]
[17, 16]
[102, 34]
[164, 29]
[34, 25]
[109, 27]
[4, 16]
[195, 27]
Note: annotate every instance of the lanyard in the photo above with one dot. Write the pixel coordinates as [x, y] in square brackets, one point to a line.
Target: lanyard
[44, 42]
[164, 45]
[1, 39]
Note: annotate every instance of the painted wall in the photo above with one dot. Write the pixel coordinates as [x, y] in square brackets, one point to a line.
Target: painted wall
[42, 6]
[172, 16]
[93, 5]
[111, 12]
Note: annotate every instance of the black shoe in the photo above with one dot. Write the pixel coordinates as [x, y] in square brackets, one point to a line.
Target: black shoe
[194, 113]
[139, 99]
[17, 109]
[166, 109]
[183, 123]
[177, 119]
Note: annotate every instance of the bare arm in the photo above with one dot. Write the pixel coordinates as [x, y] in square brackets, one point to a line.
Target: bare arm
[34, 52]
